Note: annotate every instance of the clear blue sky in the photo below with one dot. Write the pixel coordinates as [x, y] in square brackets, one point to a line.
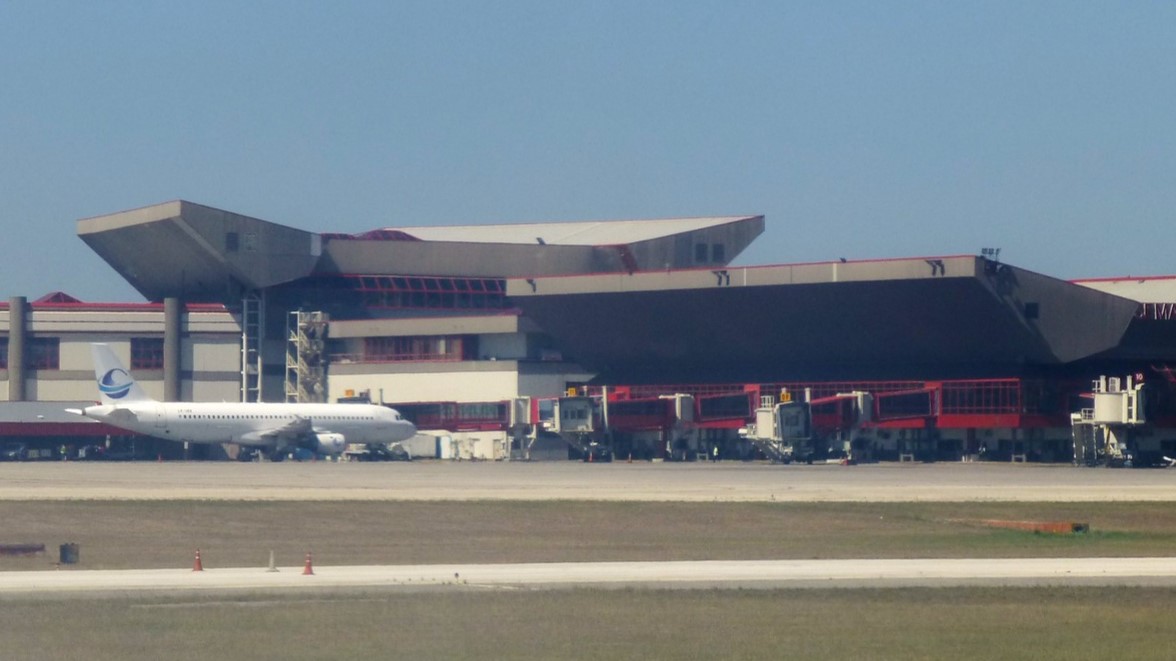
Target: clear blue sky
[859, 129]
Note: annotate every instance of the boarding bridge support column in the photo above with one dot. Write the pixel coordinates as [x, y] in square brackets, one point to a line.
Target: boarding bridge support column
[172, 312]
[17, 329]
[524, 427]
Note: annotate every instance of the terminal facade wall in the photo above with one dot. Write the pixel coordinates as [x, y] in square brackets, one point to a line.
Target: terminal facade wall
[506, 364]
[503, 346]
[511, 360]
[60, 368]
[465, 358]
[482, 381]
[543, 384]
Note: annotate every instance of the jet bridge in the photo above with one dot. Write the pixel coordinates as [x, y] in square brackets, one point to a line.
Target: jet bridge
[812, 429]
[599, 426]
[578, 420]
[1103, 433]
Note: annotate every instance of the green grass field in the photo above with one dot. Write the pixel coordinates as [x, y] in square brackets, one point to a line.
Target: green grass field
[468, 623]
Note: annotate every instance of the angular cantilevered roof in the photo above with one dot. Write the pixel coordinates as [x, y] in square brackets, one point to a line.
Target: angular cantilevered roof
[199, 253]
[1149, 289]
[578, 233]
[203, 254]
[938, 317]
[1152, 334]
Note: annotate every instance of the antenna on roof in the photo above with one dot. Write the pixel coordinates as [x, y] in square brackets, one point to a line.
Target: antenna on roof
[990, 253]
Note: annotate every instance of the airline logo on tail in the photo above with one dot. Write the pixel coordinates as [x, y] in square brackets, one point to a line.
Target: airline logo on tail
[116, 383]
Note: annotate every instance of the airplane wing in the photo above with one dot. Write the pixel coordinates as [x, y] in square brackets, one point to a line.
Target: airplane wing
[299, 432]
[288, 434]
[297, 428]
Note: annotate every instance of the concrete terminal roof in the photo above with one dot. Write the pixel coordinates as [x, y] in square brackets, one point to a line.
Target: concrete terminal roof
[579, 233]
[1151, 338]
[935, 317]
[623, 299]
[1150, 289]
[203, 254]
[199, 253]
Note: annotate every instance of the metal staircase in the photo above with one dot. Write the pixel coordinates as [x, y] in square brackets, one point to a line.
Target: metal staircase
[306, 358]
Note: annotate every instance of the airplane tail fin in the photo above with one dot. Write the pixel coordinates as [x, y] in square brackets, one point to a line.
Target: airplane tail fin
[115, 383]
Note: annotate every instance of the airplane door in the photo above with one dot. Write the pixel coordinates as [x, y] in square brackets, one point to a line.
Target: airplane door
[159, 423]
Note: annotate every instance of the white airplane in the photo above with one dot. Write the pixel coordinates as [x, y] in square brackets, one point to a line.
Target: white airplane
[324, 428]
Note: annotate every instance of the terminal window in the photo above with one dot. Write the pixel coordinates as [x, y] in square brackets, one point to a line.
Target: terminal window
[427, 348]
[378, 291]
[3, 353]
[44, 353]
[146, 353]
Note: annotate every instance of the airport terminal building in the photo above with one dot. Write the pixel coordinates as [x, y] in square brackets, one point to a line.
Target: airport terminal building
[639, 335]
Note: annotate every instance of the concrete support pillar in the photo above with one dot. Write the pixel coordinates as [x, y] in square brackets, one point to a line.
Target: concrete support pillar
[17, 332]
[172, 331]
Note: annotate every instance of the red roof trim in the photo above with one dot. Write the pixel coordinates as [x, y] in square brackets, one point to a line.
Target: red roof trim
[57, 297]
[81, 306]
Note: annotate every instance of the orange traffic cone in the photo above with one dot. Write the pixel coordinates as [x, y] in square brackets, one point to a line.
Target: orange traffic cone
[198, 565]
[308, 570]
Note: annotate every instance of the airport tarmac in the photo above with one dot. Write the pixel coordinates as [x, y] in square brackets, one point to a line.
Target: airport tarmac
[619, 481]
[709, 574]
[644, 481]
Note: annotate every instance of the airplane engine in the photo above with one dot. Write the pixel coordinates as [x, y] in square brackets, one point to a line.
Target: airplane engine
[329, 443]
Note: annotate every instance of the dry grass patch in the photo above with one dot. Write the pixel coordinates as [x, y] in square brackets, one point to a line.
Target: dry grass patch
[122, 534]
[971, 623]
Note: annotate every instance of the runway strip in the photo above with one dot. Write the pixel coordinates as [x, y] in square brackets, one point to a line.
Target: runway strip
[641, 481]
[752, 573]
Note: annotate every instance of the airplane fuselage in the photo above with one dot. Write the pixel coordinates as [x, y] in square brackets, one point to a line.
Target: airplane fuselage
[254, 424]
[324, 428]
